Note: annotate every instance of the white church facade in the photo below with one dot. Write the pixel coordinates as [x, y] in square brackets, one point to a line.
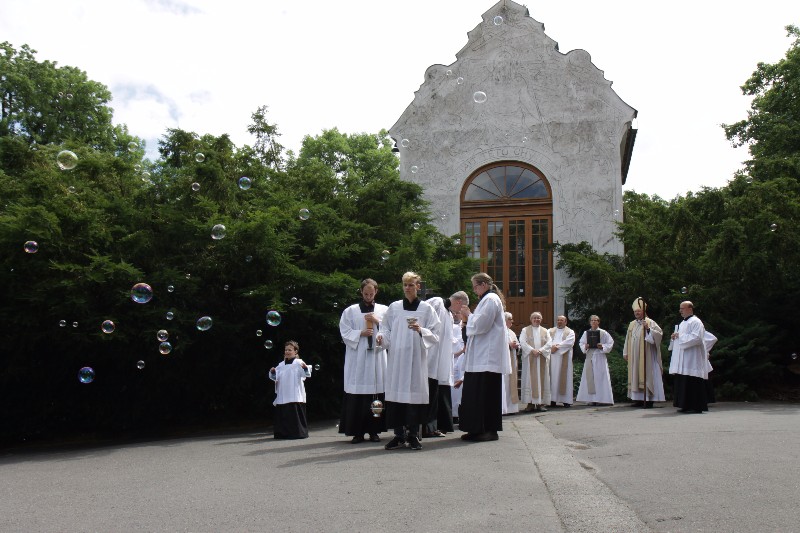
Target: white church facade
[517, 146]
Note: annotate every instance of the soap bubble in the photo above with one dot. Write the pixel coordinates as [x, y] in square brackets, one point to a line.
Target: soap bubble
[195, 186]
[415, 225]
[268, 344]
[414, 169]
[164, 348]
[385, 255]
[132, 146]
[335, 305]
[218, 232]
[66, 160]
[259, 333]
[460, 80]
[86, 374]
[162, 335]
[273, 318]
[245, 183]
[524, 139]
[299, 300]
[304, 214]
[317, 367]
[405, 143]
[107, 326]
[188, 276]
[293, 300]
[773, 227]
[62, 323]
[69, 96]
[31, 247]
[145, 176]
[225, 287]
[74, 324]
[199, 157]
[170, 315]
[616, 212]
[140, 365]
[248, 258]
[479, 97]
[71, 189]
[794, 356]
[749, 179]
[141, 293]
[457, 242]
[137, 167]
[204, 323]
[684, 290]
[498, 20]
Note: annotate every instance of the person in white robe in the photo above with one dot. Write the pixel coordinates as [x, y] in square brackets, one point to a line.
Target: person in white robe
[480, 414]
[595, 387]
[289, 418]
[440, 368]
[509, 383]
[364, 366]
[689, 362]
[642, 351]
[458, 366]
[407, 332]
[562, 340]
[534, 341]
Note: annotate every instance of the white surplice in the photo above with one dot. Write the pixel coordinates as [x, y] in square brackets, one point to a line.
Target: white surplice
[289, 378]
[602, 379]
[406, 377]
[689, 355]
[538, 338]
[363, 368]
[510, 380]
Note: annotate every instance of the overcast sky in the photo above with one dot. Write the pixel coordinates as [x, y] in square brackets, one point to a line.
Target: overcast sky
[207, 65]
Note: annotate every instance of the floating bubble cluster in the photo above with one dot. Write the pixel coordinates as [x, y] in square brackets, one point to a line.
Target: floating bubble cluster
[141, 293]
[107, 327]
[274, 318]
[86, 374]
[218, 232]
[66, 160]
[304, 214]
[245, 183]
[31, 247]
[204, 323]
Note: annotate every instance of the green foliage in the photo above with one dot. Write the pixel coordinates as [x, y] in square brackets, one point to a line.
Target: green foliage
[116, 220]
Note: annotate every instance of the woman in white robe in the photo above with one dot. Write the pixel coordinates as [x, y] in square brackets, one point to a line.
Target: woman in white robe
[364, 366]
[595, 385]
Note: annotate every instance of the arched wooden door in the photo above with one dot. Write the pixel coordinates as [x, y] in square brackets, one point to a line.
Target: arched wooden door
[507, 221]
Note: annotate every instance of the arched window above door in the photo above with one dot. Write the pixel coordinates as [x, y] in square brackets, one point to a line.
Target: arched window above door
[506, 182]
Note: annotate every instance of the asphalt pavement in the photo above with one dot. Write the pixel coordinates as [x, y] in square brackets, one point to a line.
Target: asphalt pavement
[580, 469]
